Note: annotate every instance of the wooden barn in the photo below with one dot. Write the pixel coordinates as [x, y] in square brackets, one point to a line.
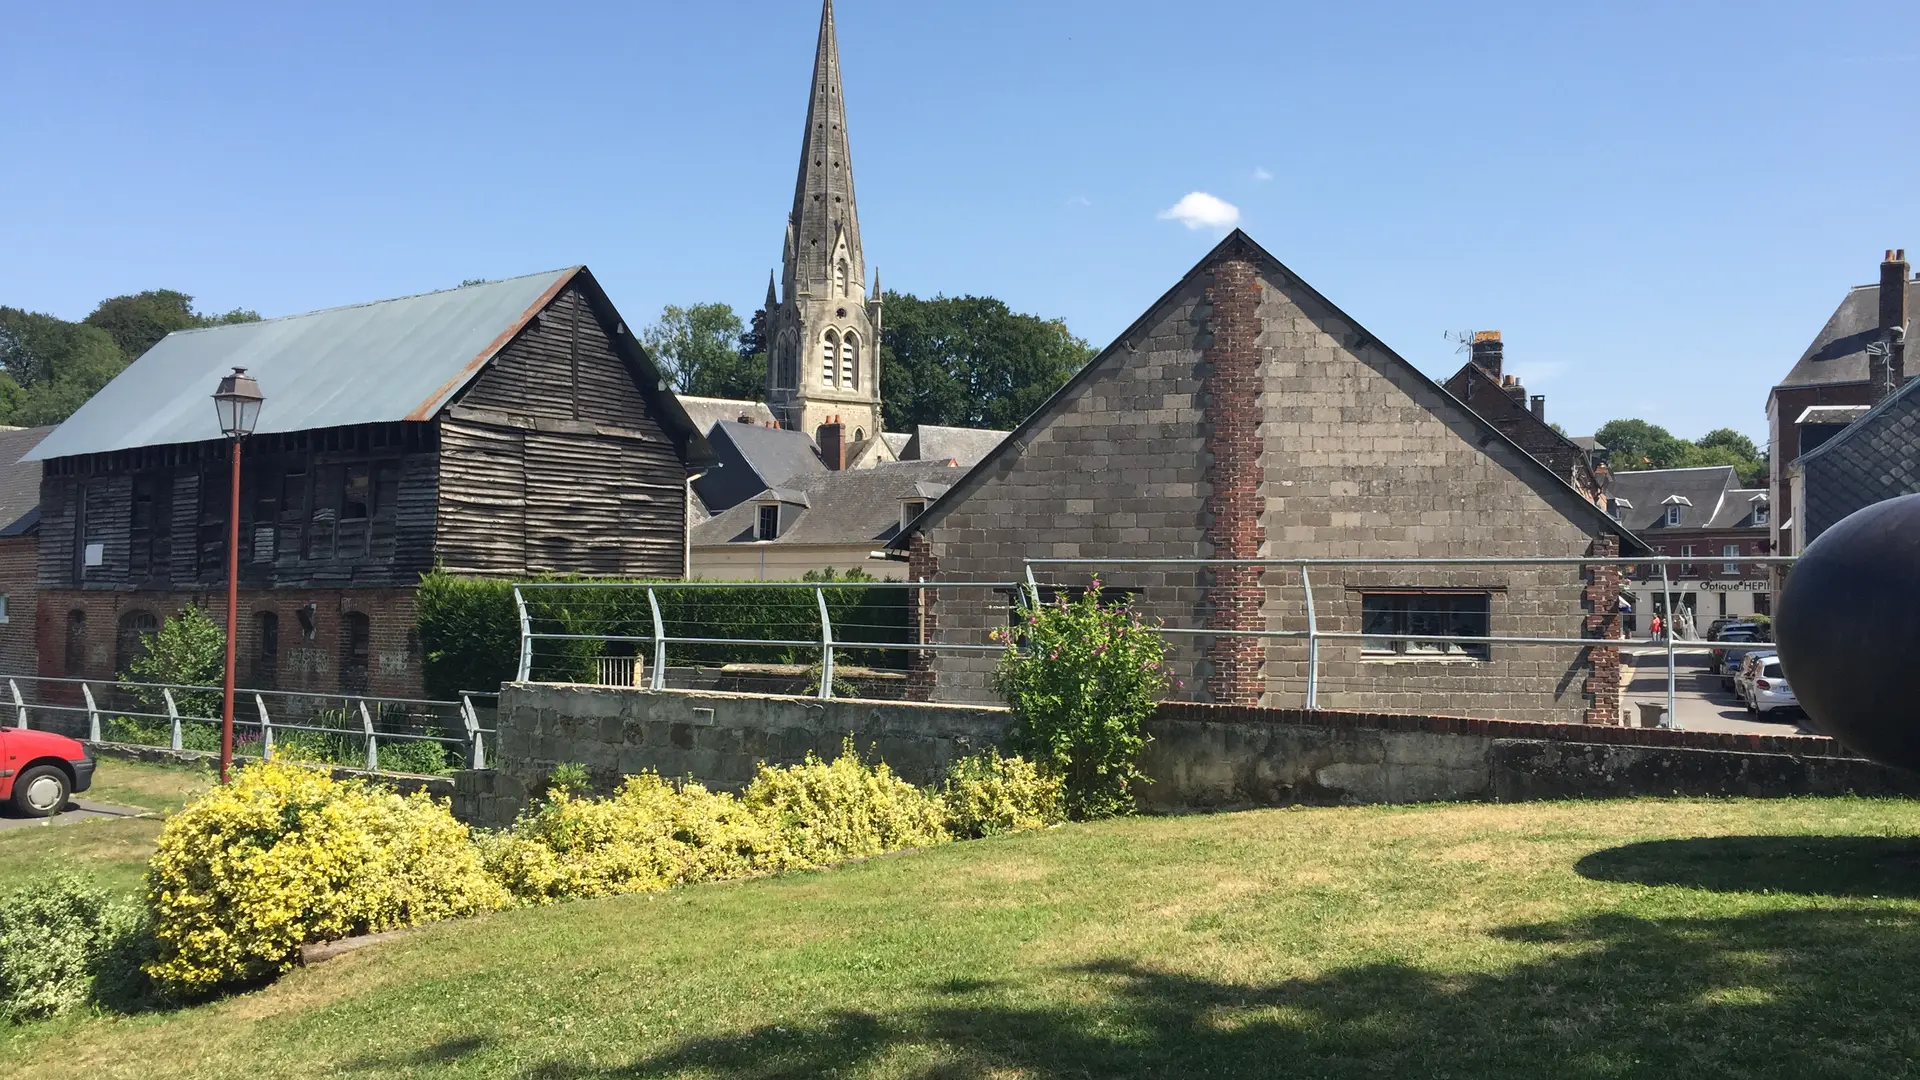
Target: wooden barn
[508, 428]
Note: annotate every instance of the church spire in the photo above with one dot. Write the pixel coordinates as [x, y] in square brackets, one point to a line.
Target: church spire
[825, 224]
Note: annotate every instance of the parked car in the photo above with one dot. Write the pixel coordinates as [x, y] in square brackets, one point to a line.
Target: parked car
[1719, 626]
[1770, 692]
[40, 770]
[1731, 634]
[1744, 674]
[1729, 664]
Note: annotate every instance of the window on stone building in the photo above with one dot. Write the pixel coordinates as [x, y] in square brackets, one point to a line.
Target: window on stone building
[850, 362]
[831, 362]
[76, 666]
[1686, 552]
[840, 278]
[769, 524]
[356, 643]
[909, 510]
[1415, 614]
[130, 642]
[1673, 515]
[266, 650]
[1730, 551]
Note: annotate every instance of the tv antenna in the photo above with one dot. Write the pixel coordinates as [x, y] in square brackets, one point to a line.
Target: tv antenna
[1464, 337]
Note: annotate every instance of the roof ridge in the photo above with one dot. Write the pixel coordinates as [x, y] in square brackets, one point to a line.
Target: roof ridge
[376, 303]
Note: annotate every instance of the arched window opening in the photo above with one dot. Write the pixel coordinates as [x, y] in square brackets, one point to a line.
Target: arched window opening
[130, 643]
[266, 650]
[76, 644]
[850, 362]
[840, 277]
[356, 633]
[832, 359]
[859, 435]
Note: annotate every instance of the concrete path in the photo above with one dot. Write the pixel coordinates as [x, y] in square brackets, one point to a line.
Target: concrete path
[77, 810]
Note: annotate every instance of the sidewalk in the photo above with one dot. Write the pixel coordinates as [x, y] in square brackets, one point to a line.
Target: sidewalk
[1699, 703]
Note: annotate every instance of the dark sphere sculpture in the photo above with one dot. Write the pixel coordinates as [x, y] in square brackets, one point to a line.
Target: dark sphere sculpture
[1848, 628]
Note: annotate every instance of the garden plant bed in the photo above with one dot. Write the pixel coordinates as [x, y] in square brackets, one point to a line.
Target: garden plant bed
[1776, 938]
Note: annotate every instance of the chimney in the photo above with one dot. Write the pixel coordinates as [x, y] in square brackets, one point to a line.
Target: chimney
[1487, 352]
[1540, 407]
[1886, 366]
[1514, 390]
[833, 444]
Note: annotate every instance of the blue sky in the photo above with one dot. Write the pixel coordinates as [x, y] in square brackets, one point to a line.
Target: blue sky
[1658, 204]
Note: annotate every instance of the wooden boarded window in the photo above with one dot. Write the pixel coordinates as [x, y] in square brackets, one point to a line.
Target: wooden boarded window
[356, 511]
[356, 633]
[150, 528]
[266, 650]
[211, 522]
[324, 518]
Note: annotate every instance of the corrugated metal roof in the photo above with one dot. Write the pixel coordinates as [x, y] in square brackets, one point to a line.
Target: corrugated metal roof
[365, 364]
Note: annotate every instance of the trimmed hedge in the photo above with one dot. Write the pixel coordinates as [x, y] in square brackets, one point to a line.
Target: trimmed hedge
[470, 629]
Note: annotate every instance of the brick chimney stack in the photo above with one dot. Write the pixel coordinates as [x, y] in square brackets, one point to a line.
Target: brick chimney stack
[1540, 407]
[1886, 367]
[833, 443]
[1514, 390]
[1487, 352]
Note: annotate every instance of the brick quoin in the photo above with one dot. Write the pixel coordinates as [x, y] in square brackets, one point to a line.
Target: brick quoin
[922, 564]
[1602, 601]
[1234, 477]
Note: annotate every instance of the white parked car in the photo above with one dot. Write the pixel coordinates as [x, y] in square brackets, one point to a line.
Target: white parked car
[1770, 691]
[1744, 675]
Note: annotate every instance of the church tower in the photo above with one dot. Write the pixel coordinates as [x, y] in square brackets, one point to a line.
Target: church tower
[823, 332]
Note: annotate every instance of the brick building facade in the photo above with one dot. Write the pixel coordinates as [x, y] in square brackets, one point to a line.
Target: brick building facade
[1703, 517]
[1501, 400]
[1246, 416]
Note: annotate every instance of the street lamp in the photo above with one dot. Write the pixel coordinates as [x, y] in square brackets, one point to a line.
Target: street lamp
[238, 404]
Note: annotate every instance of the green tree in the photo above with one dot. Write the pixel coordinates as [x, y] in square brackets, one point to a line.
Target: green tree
[1741, 446]
[699, 349]
[138, 321]
[49, 367]
[189, 649]
[1637, 445]
[970, 361]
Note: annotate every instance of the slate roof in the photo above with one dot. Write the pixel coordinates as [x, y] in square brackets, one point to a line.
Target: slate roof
[1838, 353]
[930, 442]
[896, 441]
[1650, 492]
[20, 480]
[853, 506]
[708, 411]
[1587, 443]
[749, 459]
[1581, 508]
[1875, 458]
[393, 360]
[1736, 509]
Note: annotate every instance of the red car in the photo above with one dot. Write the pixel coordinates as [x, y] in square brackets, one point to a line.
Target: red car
[40, 770]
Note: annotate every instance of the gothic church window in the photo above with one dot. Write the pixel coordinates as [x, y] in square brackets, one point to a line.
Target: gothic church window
[840, 277]
[832, 359]
[850, 362]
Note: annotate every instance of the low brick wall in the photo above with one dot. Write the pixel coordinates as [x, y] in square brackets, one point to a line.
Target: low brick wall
[1200, 757]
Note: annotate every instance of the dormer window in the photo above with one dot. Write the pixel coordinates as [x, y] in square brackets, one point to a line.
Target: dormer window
[1673, 515]
[910, 509]
[1760, 514]
[769, 527]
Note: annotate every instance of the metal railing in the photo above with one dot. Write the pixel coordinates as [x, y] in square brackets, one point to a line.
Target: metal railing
[371, 720]
[1314, 635]
[826, 637]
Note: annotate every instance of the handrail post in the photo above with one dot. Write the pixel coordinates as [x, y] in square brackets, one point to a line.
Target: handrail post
[526, 637]
[266, 728]
[20, 718]
[476, 752]
[1033, 586]
[93, 713]
[1666, 592]
[1313, 645]
[173, 712]
[373, 749]
[826, 647]
[659, 680]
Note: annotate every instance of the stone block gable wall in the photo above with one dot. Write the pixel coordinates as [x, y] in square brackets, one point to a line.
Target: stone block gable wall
[1354, 454]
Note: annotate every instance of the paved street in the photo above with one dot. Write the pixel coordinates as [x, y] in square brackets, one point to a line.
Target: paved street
[1699, 702]
[77, 810]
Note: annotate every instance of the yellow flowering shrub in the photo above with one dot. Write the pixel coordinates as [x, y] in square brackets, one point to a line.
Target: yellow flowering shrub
[822, 813]
[650, 835]
[987, 794]
[286, 855]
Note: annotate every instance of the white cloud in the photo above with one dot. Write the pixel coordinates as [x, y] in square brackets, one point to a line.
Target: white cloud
[1199, 210]
[1261, 174]
[1079, 200]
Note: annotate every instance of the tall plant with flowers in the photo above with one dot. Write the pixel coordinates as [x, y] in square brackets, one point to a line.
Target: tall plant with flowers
[1082, 677]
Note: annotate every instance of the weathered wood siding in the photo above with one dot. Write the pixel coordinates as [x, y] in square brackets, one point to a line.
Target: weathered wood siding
[553, 462]
[329, 508]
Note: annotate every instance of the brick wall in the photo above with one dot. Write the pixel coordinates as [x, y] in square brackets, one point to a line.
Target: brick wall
[1359, 456]
[20, 584]
[1516, 421]
[1231, 407]
[1602, 684]
[312, 635]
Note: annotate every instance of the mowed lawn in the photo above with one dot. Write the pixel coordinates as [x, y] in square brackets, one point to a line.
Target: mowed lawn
[113, 852]
[1559, 941]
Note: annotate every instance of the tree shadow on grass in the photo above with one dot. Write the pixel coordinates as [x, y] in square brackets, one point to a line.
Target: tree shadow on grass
[445, 1052]
[1857, 866]
[1783, 994]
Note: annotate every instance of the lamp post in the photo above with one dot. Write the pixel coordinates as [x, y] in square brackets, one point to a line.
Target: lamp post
[238, 403]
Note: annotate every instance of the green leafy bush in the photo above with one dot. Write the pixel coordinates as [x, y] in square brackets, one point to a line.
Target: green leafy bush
[189, 649]
[825, 812]
[987, 794]
[1082, 680]
[651, 835]
[58, 938]
[286, 855]
[418, 757]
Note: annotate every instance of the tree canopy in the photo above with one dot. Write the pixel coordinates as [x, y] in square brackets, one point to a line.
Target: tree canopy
[1638, 445]
[702, 349]
[49, 367]
[970, 361]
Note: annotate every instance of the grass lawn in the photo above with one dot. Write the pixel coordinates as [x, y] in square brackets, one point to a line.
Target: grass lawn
[112, 851]
[1566, 941]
